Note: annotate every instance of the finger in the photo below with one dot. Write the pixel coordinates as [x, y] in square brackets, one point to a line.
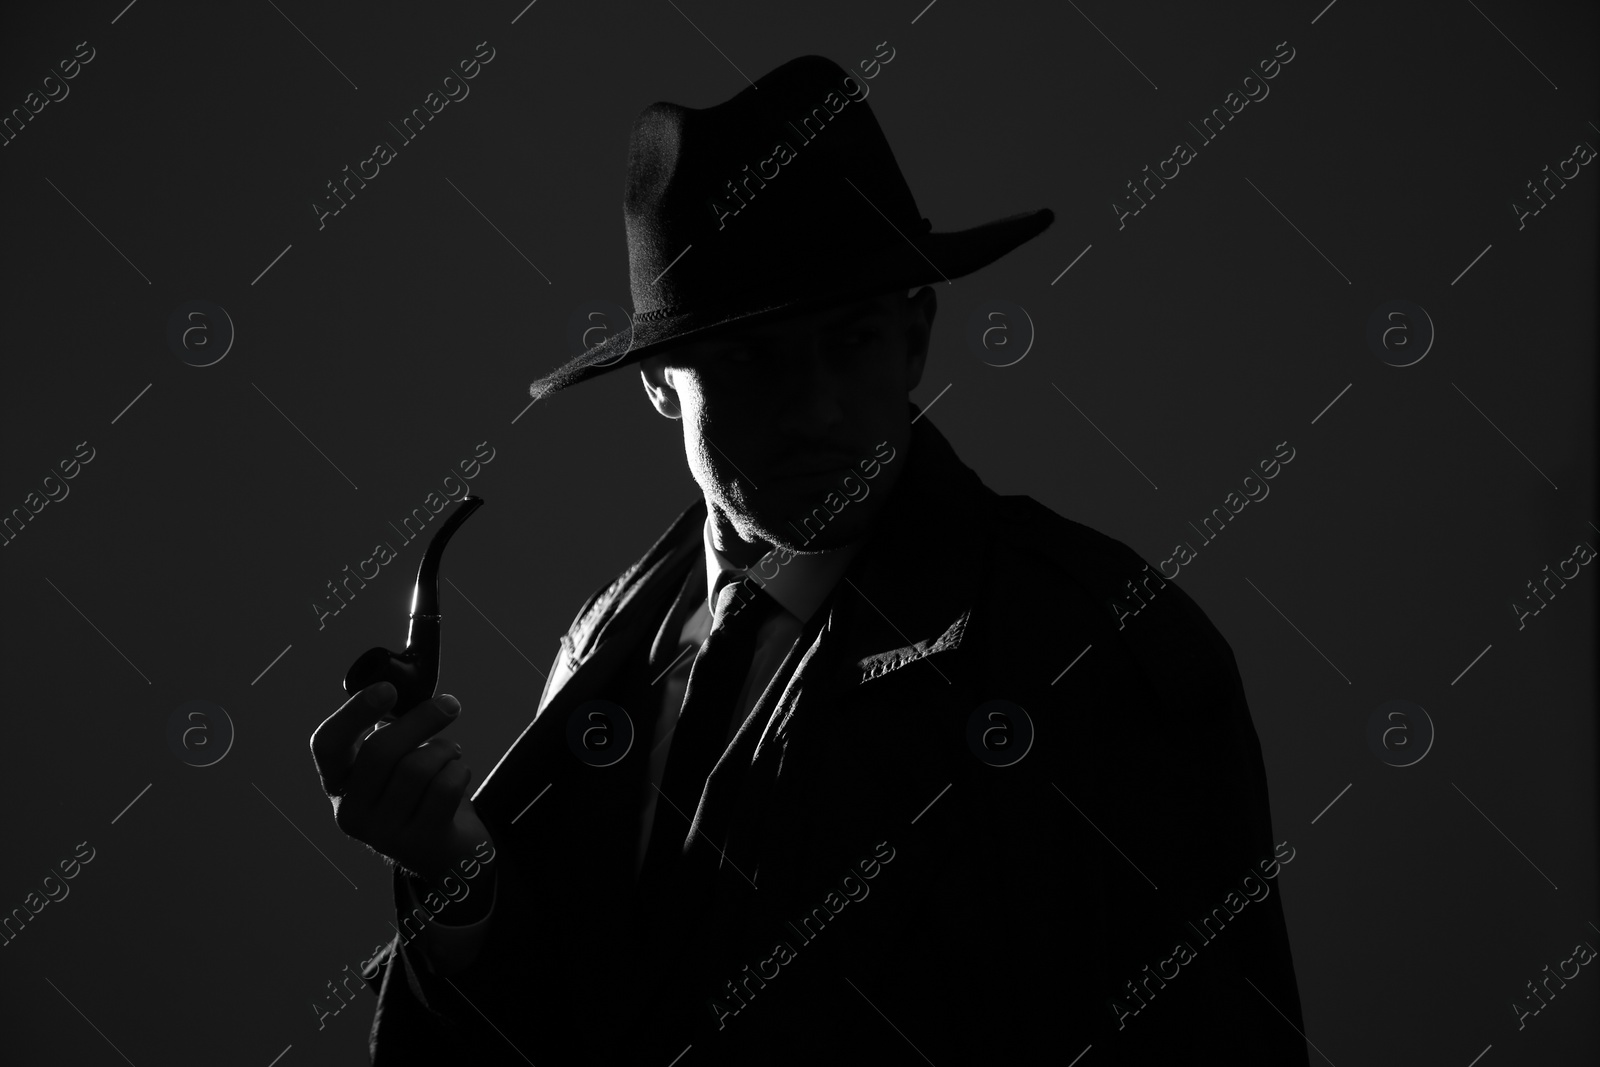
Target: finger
[334, 741]
[443, 796]
[410, 780]
[377, 757]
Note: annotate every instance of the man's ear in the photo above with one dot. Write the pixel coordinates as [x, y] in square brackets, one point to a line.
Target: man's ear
[919, 311]
[657, 387]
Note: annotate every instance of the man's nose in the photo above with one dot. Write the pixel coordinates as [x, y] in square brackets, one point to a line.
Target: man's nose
[813, 387]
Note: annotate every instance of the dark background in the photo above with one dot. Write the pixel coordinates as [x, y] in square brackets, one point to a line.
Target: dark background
[189, 551]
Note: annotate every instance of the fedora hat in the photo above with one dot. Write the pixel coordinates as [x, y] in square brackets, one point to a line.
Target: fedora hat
[782, 200]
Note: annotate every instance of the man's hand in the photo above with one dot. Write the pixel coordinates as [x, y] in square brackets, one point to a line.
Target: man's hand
[399, 789]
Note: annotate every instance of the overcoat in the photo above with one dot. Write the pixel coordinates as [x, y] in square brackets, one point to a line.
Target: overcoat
[1003, 802]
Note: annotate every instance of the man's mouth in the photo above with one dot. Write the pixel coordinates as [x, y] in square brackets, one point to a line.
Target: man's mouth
[814, 468]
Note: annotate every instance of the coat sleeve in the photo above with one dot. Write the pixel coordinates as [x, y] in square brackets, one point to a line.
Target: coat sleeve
[1188, 784]
[523, 998]
[1126, 872]
[421, 1017]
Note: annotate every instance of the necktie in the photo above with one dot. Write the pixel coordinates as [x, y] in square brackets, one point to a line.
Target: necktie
[700, 736]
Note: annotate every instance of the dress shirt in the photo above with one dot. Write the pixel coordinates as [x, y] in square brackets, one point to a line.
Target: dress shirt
[799, 586]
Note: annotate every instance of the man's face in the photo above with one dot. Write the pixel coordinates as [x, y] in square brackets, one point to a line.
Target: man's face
[777, 416]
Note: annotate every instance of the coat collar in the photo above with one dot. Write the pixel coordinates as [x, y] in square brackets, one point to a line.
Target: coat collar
[907, 596]
[800, 585]
[908, 590]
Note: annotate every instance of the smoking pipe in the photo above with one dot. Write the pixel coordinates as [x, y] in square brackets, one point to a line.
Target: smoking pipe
[414, 673]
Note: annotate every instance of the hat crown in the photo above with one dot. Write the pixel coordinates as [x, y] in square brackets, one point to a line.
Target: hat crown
[751, 195]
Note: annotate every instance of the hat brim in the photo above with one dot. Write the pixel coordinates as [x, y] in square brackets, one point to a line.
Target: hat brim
[916, 260]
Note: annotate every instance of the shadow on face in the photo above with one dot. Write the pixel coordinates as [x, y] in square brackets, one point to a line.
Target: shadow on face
[776, 414]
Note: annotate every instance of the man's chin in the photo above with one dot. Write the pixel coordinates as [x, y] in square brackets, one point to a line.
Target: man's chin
[818, 529]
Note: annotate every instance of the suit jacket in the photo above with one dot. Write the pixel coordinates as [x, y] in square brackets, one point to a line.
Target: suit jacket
[892, 884]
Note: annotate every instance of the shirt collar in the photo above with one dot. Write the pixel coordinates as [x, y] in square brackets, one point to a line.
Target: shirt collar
[799, 586]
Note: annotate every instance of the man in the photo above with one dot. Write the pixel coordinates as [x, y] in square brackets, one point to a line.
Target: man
[860, 761]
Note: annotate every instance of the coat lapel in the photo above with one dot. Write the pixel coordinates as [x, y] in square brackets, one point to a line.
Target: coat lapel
[907, 597]
[894, 625]
[608, 632]
[889, 635]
